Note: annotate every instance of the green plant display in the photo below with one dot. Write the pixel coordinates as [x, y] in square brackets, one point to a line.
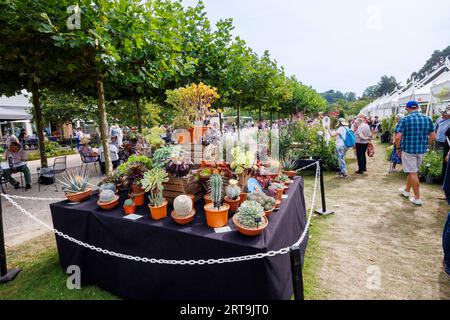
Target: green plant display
[128, 203]
[153, 137]
[267, 202]
[107, 196]
[153, 183]
[432, 165]
[74, 182]
[251, 214]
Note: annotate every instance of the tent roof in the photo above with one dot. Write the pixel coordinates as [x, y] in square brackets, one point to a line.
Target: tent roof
[15, 108]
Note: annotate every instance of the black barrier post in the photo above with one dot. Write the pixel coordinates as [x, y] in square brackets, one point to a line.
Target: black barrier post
[323, 211]
[297, 275]
[5, 275]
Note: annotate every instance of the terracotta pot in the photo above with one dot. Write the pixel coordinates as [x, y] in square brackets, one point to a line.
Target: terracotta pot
[243, 197]
[197, 133]
[216, 218]
[268, 213]
[286, 188]
[208, 199]
[138, 198]
[159, 213]
[234, 204]
[250, 232]
[184, 220]
[135, 188]
[129, 209]
[80, 196]
[109, 205]
[192, 197]
[280, 194]
[290, 174]
[277, 204]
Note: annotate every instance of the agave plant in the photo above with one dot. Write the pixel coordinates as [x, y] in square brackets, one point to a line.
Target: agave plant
[289, 165]
[153, 183]
[74, 181]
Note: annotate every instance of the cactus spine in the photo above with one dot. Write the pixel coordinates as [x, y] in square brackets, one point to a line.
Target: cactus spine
[217, 190]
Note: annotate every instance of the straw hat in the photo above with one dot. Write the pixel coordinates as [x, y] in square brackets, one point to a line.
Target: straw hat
[13, 139]
[85, 140]
[343, 122]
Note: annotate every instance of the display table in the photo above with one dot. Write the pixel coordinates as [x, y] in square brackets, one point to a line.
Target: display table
[268, 278]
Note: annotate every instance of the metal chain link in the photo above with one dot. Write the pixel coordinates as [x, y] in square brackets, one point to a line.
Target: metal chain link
[308, 166]
[34, 198]
[282, 251]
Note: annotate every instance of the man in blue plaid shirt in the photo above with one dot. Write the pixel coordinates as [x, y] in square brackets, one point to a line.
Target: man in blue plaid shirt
[415, 133]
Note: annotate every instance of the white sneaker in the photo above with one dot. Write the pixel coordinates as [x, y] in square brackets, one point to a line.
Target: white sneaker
[416, 202]
[404, 193]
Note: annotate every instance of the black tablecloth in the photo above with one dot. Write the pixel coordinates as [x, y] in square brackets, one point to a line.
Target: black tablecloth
[268, 278]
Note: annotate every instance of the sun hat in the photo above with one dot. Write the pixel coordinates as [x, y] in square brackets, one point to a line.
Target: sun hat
[412, 104]
[343, 122]
[13, 139]
[85, 140]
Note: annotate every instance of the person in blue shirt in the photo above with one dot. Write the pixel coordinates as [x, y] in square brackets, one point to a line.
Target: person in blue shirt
[441, 127]
[414, 134]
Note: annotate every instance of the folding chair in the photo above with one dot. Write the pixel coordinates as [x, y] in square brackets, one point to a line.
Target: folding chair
[59, 166]
[86, 163]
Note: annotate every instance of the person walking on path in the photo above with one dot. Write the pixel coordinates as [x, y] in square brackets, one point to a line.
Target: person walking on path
[414, 134]
[341, 149]
[441, 127]
[363, 136]
[395, 158]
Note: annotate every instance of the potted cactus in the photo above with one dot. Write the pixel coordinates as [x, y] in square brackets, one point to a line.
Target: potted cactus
[284, 179]
[153, 183]
[232, 195]
[129, 206]
[289, 168]
[108, 200]
[250, 220]
[267, 202]
[183, 212]
[217, 211]
[278, 188]
[108, 186]
[75, 186]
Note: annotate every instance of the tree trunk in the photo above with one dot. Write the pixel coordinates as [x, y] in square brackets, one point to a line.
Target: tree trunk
[138, 113]
[39, 125]
[271, 117]
[103, 124]
[238, 124]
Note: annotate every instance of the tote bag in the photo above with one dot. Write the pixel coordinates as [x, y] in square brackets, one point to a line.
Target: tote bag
[370, 150]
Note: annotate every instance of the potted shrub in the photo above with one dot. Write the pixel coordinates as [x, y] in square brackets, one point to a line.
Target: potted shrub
[250, 220]
[183, 212]
[216, 212]
[75, 186]
[267, 202]
[129, 206]
[431, 167]
[153, 183]
[289, 168]
[108, 200]
[232, 195]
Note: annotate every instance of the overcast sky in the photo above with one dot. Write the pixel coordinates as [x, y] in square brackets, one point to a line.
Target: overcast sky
[344, 45]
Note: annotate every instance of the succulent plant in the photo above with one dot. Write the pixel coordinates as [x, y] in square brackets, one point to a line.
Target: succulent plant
[75, 181]
[251, 215]
[282, 178]
[107, 196]
[153, 182]
[128, 203]
[216, 183]
[267, 202]
[108, 186]
[182, 206]
[289, 165]
[179, 167]
[276, 186]
[233, 191]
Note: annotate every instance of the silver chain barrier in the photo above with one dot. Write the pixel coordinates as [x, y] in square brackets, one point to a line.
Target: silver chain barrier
[34, 198]
[164, 261]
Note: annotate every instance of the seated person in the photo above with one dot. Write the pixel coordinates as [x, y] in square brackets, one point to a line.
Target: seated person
[18, 155]
[86, 150]
[113, 153]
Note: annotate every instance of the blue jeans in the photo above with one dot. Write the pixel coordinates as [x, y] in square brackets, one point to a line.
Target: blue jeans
[446, 245]
[340, 152]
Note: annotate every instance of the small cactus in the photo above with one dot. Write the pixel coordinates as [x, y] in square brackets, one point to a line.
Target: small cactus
[267, 202]
[107, 196]
[128, 203]
[108, 186]
[233, 191]
[282, 178]
[182, 206]
[217, 190]
[251, 215]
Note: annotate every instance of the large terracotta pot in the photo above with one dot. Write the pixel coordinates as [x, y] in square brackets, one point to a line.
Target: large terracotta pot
[184, 220]
[197, 133]
[216, 218]
[290, 174]
[250, 232]
[129, 209]
[109, 205]
[159, 213]
[80, 196]
[138, 198]
[234, 204]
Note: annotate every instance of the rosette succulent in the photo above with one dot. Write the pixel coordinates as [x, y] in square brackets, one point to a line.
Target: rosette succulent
[251, 215]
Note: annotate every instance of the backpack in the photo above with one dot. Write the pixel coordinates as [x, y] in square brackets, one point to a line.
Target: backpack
[350, 139]
[47, 177]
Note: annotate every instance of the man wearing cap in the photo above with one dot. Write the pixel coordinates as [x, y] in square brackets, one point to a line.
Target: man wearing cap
[441, 127]
[414, 134]
[16, 155]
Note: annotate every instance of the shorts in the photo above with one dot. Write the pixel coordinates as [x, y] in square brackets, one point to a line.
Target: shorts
[412, 162]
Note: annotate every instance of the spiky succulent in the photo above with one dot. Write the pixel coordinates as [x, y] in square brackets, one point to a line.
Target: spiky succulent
[108, 186]
[107, 196]
[251, 215]
[216, 190]
[128, 203]
[75, 181]
[282, 178]
[267, 202]
[289, 165]
[233, 191]
[153, 183]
